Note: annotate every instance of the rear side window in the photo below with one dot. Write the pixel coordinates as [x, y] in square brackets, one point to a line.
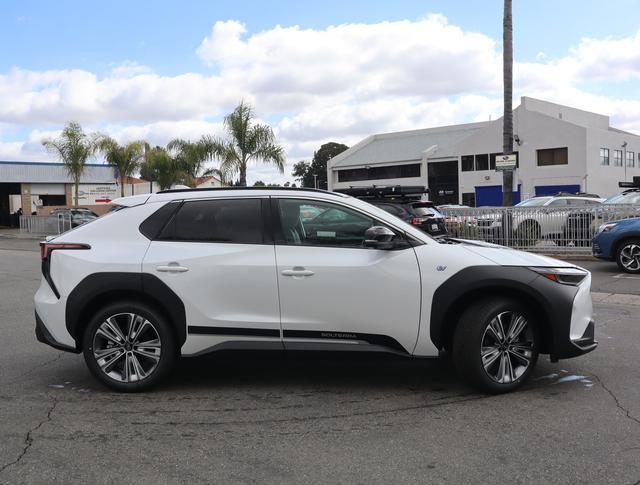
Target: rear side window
[236, 221]
[153, 224]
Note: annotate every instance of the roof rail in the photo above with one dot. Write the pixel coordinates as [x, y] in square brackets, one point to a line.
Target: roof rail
[207, 189]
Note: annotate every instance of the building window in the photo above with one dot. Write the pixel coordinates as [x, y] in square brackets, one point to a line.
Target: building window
[379, 173]
[469, 198]
[631, 159]
[482, 162]
[553, 156]
[617, 158]
[604, 156]
[467, 163]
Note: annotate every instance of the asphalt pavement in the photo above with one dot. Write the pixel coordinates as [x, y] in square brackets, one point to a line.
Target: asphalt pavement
[315, 418]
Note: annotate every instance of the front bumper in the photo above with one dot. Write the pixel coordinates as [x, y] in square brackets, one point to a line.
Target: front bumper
[43, 335]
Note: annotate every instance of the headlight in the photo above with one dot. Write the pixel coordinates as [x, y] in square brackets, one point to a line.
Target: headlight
[607, 227]
[564, 276]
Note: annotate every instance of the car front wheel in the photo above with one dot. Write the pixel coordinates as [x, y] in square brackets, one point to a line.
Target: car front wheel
[129, 347]
[495, 345]
[628, 256]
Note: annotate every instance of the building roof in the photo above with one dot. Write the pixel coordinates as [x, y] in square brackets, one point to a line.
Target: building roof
[406, 145]
[48, 172]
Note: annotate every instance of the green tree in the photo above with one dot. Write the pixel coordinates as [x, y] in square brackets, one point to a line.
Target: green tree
[259, 183]
[125, 158]
[246, 142]
[507, 120]
[160, 167]
[73, 147]
[191, 158]
[303, 174]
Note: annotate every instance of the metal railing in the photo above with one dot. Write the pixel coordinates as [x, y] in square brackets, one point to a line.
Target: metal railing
[566, 230]
[45, 225]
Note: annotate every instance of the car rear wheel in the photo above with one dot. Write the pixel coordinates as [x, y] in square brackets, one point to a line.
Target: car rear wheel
[628, 256]
[495, 345]
[129, 347]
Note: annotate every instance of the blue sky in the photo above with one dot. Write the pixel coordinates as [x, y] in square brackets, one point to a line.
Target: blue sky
[93, 60]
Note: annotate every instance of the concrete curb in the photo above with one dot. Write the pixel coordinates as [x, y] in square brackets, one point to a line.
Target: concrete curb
[615, 298]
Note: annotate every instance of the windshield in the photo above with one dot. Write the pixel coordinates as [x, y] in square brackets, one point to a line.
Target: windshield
[628, 198]
[535, 202]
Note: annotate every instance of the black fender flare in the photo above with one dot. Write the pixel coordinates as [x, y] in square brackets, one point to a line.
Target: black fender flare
[98, 288]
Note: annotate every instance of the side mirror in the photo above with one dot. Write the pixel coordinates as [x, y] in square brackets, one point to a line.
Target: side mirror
[379, 237]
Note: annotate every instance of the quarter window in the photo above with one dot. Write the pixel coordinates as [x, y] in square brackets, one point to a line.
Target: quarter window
[604, 156]
[617, 158]
[334, 225]
[236, 221]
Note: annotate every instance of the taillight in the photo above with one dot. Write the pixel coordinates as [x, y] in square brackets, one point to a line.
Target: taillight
[46, 247]
[416, 221]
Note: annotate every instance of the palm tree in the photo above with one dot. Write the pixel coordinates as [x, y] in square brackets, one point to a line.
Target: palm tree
[160, 167]
[73, 147]
[246, 142]
[125, 158]
[507, 119]
[191, 158]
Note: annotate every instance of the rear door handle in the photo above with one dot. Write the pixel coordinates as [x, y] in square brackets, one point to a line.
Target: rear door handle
[171, 268]
[297, 271]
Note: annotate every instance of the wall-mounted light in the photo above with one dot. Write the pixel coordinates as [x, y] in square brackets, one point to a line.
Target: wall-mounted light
[516, 138]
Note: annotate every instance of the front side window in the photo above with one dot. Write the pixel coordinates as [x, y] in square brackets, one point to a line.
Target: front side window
[617, 158]
[236, 221]
[335, 225]
[604, 156]
[631, 159]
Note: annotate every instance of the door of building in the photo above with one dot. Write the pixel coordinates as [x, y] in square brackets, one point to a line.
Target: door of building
[443, 182]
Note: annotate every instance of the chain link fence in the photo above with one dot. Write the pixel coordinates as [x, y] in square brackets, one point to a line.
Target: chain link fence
[536, 229]
[45, 225]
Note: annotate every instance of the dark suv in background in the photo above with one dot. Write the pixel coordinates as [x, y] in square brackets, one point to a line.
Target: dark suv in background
[408, 203]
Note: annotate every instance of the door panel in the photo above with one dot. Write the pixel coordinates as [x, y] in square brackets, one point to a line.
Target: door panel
[226, 286]
[332, 289]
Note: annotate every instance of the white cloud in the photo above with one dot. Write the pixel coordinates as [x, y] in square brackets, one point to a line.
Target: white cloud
[339, 83]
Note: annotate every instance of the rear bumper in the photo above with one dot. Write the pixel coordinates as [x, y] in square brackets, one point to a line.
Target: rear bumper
[43, 335]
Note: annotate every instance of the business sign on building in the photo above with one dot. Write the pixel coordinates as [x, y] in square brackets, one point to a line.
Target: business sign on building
[95, 194]
[506, 162]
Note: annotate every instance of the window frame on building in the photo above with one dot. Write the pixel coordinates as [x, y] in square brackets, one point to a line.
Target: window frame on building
[393, 171]
[558, 156]
[617, 158]
[631, 159]
[467, 163]
[604, 157]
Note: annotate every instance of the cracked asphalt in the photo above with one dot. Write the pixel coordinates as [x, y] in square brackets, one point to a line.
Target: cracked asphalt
[312, 418]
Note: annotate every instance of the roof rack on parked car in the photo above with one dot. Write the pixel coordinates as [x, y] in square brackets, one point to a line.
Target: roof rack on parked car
[170, 191]
[385, 191]
[577, 194]
[630, 185]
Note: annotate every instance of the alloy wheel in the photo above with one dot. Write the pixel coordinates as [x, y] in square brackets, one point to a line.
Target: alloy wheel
[630, 257]
[127, 347]
[507, 347]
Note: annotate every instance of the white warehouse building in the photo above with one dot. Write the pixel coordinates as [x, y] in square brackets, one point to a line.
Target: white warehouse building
[558, 149]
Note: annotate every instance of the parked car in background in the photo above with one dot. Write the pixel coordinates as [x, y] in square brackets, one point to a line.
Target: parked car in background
[619, 241]
[77, 216]
[187, 272]
[405, 202]
[543, 217]
[582, 225]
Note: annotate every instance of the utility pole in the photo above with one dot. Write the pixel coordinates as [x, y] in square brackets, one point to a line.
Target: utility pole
[507, 119]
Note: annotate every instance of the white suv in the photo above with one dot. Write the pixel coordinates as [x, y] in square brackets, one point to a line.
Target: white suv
[185, 272]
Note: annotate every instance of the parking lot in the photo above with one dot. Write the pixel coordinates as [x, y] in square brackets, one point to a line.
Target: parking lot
[305, 418]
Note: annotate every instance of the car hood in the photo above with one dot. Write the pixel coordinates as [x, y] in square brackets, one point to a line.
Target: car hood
[511, 257]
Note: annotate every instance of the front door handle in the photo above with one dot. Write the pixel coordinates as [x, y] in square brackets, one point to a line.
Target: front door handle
[171, 268]
[297, 271]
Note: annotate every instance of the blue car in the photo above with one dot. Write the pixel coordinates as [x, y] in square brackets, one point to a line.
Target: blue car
[619, 241]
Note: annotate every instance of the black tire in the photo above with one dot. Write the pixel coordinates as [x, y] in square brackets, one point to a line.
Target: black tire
[630, 247]
[153, 360]
[472, 335]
